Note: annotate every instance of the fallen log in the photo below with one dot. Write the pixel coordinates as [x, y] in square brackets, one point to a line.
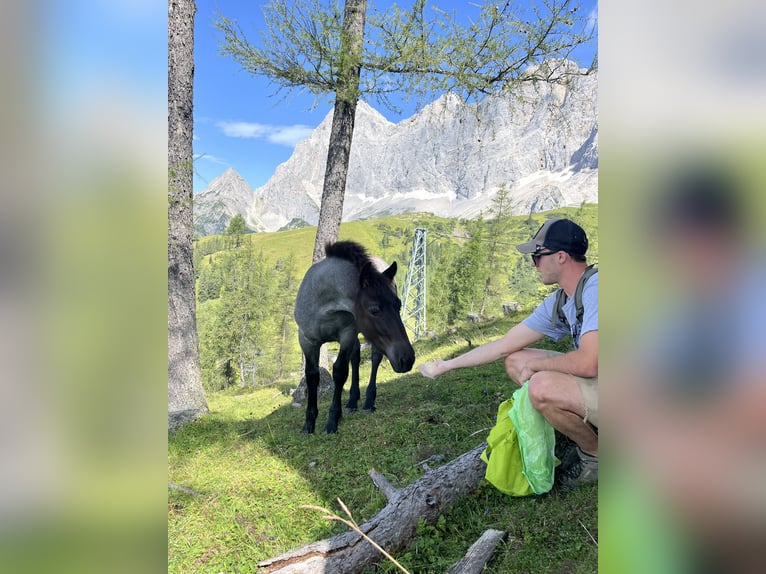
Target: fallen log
[394, 527]
[478, 554]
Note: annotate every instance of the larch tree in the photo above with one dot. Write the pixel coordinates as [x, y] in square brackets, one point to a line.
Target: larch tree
[346, 53]
[497, 235]
[237, 227]
[186, 396]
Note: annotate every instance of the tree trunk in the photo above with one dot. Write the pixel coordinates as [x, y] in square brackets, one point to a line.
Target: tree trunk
[484, 297]
[186, 397]
[341, 135]
[342, 132]
[394, 527]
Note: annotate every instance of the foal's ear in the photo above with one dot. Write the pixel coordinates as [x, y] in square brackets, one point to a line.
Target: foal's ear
[390, 273]
[364, 275]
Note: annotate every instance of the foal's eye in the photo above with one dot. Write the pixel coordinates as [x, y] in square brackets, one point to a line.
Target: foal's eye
[373, 311]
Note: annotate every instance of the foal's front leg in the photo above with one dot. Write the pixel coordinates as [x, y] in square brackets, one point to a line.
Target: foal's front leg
[372, 389]
[353, 397]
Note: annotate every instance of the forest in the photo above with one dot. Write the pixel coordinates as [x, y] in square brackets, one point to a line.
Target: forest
[246, 282]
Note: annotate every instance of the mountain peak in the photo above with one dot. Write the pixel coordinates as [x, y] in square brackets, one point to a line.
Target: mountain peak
[541, 140]
[229, 174]
[226, 196]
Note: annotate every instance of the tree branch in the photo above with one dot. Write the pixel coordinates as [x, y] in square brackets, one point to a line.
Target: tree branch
[383, 485]
[478, 554]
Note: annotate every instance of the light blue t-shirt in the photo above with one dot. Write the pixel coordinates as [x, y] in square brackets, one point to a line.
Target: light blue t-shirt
[540, 319]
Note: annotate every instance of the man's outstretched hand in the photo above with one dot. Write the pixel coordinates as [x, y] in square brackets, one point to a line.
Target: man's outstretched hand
[433, 369]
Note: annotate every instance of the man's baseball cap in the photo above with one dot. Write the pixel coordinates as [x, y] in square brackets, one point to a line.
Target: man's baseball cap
[557, 235]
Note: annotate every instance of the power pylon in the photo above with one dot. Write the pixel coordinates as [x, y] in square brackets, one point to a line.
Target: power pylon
[414, 308]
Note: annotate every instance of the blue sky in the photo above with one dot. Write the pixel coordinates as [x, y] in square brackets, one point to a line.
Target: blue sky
[239, 121]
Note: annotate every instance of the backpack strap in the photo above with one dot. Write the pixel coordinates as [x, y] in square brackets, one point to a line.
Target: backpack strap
[561, 298]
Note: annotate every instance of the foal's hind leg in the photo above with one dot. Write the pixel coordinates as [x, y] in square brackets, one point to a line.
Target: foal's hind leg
[348, 342]
[372, 389]
[311, 352]
[353, 397]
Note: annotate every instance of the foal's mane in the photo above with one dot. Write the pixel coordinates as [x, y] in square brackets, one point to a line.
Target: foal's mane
[350, 251]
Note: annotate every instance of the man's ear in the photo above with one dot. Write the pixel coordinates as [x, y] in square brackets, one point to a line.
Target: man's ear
[390, 273]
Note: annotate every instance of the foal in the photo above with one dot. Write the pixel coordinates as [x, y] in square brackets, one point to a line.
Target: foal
[339, 297]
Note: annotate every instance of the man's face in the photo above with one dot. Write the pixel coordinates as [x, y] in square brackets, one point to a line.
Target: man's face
[546, 263]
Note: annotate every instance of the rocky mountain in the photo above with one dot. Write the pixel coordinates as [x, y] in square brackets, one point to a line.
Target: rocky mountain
[226, 196]
[450, 158]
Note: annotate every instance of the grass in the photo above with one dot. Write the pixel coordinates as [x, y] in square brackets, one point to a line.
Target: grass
[369, 233]
[252, 470]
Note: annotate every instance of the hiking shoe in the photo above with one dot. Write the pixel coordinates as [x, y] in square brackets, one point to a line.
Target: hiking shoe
[579, 469]
[565, 449]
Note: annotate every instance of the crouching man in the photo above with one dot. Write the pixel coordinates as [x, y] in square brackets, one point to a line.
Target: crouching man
[563, 387]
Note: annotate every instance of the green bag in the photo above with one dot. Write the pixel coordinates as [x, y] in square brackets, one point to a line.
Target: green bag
[503, 456]
[519, 453]
[537, 442]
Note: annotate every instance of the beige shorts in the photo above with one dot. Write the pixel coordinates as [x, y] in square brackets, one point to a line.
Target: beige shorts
[589, 392]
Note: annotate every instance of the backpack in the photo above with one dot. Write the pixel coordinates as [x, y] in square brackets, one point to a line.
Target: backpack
[519, 453]
[561, 298]
[503, 456]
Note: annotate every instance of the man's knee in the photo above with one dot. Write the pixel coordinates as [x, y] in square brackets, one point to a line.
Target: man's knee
[513, 365]
[541, 390]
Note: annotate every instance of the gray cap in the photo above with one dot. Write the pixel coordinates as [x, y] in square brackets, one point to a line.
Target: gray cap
[557, 235]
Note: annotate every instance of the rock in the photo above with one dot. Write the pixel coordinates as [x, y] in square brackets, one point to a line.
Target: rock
[511, 307]
[473, 318]
[326, 386]
[177, 419]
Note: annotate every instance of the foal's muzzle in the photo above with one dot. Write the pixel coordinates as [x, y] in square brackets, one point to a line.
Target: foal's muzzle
[402, 358]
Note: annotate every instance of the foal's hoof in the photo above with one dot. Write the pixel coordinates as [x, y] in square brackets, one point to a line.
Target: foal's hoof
[352, 405]
[368, 411]
[331, 429]
[307, 429]
[351, 409]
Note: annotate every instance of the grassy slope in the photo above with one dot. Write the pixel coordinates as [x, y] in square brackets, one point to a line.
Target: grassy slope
[300, 242]
[367, 232]
[254, 469]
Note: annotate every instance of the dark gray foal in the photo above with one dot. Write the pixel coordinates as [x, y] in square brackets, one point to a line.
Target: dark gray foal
[339, 297]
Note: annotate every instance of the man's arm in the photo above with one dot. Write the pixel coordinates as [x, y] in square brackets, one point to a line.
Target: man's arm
[582, 362]
[516, 338]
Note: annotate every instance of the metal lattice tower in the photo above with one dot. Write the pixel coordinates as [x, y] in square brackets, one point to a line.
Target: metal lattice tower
[414, 308]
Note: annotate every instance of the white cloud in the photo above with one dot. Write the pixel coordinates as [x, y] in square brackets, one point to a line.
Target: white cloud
[243, 129]
[281, 135]
[290, 135]
[211, 158]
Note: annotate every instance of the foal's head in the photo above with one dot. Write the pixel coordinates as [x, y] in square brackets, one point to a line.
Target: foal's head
[377, 316]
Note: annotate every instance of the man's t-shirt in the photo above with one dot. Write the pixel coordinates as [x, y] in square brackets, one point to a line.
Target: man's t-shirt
[540, 319]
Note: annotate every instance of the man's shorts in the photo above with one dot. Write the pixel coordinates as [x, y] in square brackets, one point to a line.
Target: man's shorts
[589, 391]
